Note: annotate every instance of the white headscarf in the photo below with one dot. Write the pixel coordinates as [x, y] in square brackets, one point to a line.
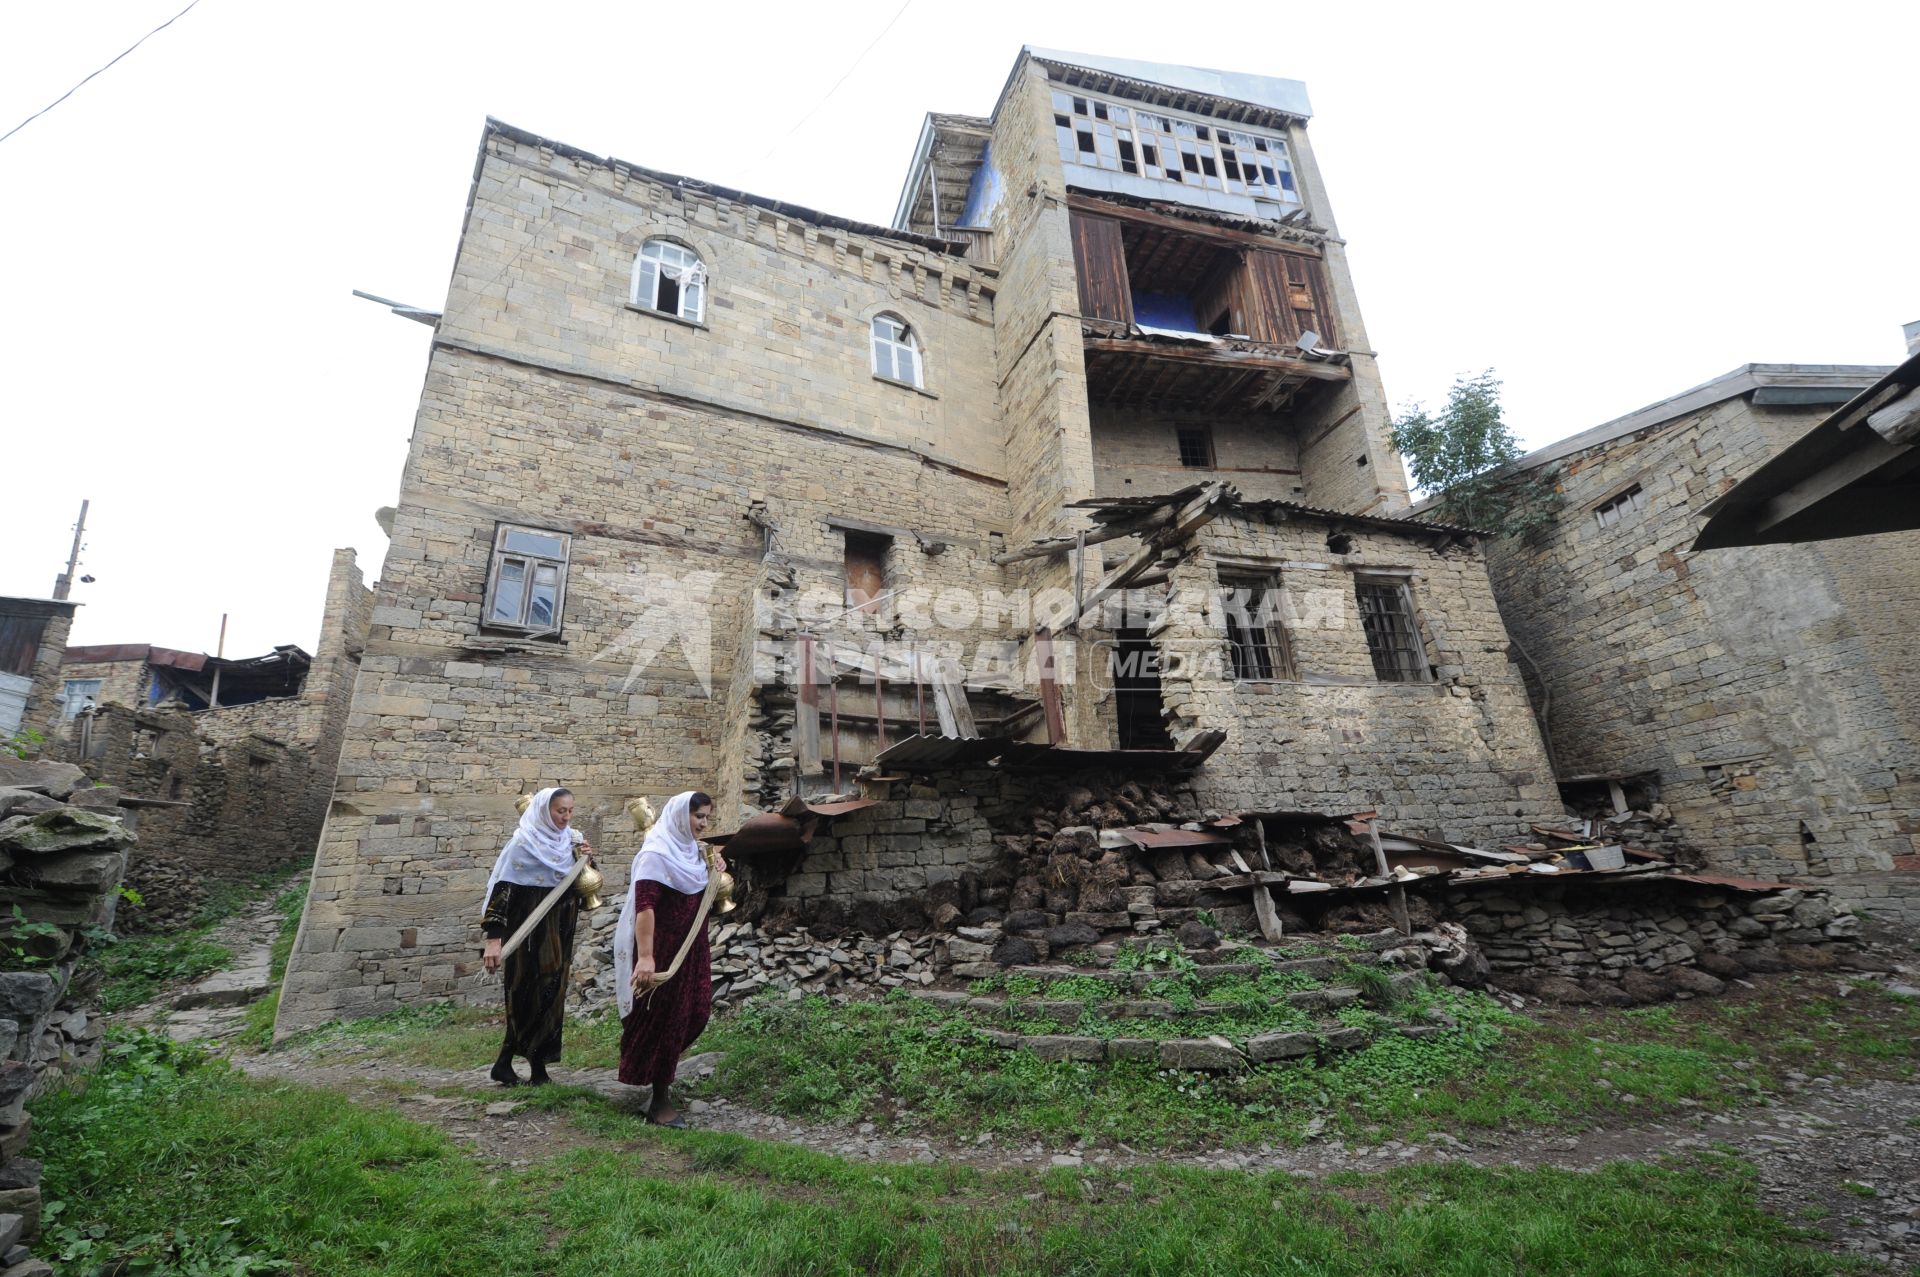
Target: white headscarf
[539, 854]
[670, 855]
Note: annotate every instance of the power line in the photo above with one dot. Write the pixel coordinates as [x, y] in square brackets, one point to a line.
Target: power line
[129, 49]
[830, 92]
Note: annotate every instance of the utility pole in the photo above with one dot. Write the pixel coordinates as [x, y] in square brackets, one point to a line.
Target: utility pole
[63, 584]
[213, 701]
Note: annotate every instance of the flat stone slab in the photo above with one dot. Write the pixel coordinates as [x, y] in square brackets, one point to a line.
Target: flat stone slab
[226, 989]
[1282, 1046]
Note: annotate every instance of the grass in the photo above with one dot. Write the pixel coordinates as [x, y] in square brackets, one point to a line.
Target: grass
[258, 1030]
[135, 968]
[191, 1168]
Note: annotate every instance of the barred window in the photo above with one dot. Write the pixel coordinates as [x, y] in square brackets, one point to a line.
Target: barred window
[1393, 635]
[1608, 513]
[1196, 447]
[527, 584]
[1250, 606]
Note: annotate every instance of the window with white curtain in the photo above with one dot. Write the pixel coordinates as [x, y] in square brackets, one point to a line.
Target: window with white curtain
[670, 278]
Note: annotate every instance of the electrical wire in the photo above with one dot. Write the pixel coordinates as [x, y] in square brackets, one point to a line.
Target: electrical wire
[797, 125]
[129, 49]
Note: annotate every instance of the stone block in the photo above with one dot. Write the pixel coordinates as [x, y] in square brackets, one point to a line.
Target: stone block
[24, 1202]
[1060, 1047]
[1280, 1046]
[63, 829]
[41, 776]
[1200, 1054]
[25, 996]
[1133, 1049]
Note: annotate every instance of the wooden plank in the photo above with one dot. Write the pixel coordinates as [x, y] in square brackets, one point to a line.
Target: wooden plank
[1050, 689]
[1398, 892]
[1189, 228]
[1219, 357]
[1265, 912]
[806, 719]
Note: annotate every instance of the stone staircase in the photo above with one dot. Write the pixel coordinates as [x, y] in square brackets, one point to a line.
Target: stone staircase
[1214, 1015]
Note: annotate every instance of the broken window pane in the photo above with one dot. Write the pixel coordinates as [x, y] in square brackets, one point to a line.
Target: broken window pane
[1249, 606]
[1256, 165]
[668, 277]
[545, 597]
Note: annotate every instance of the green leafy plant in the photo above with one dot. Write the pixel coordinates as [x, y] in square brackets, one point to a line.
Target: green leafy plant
[1463, 455]
[24, 743]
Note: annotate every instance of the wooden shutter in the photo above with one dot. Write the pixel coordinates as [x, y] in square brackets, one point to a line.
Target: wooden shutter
[1287, 296]
[1265, 290]
[1101, 264]
[1307, 299]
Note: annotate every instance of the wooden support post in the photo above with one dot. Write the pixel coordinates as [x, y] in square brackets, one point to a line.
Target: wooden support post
[1397, 893]
[1049, 688]
[806, 718]
[880, 709]
[833, 705]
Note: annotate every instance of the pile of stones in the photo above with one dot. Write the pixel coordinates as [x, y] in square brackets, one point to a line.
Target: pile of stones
[63, 851]
[1654, 941]
[748, 960]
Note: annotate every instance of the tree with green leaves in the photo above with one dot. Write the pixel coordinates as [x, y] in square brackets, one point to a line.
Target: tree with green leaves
[1458, 455]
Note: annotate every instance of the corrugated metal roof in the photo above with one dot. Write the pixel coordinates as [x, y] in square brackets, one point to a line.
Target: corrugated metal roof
[1272, 92]
[1174, 838]
[929, 753]
[1112, 509]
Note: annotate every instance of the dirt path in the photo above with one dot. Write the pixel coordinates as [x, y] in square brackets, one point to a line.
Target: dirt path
[1845, 1159]
[216, 1005]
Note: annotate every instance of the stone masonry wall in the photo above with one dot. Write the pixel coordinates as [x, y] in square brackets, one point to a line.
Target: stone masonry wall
[1137, 454]
[649, 441]
[123, 682]
[1642, 941]
[1771, 688]
[1458, 757]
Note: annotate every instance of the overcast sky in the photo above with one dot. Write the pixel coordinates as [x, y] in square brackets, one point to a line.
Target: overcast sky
[1605, 203]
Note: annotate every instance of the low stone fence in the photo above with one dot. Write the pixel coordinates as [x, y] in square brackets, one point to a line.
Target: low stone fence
[1643, 941]
[63, 849]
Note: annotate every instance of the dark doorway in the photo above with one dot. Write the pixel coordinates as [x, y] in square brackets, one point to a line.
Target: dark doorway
[1136, 691]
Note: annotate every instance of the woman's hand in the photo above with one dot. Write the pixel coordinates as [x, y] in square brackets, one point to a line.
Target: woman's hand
[586, 849]
[490, 958]
[643, 973]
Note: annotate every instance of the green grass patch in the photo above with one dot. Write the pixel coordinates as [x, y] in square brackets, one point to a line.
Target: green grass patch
[171, 1164]
[134, 969]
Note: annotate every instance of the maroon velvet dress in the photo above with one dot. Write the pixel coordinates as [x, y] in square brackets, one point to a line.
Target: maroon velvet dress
[665, 1021]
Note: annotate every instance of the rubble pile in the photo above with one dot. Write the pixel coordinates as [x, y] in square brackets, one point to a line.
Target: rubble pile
[748, 959]
[63, 850]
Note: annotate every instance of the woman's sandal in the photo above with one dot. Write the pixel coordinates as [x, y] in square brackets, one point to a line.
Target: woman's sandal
[675, 1123]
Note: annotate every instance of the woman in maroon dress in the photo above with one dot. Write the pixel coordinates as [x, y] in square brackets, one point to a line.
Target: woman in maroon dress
[660, 1019]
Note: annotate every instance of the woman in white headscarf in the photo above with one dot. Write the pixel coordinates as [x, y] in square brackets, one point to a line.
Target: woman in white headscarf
[660, 1020]
[535, 861]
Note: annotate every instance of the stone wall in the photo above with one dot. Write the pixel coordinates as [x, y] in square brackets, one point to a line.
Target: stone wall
[1137, 454]
[123, 682]
[43, 709]
[1458, 757]
[1771, 689]
[1640, 941]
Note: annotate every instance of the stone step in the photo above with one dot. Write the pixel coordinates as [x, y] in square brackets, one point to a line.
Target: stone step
[1138, 981]
[1210, 1054]
[226, 989]
[1069, 1011]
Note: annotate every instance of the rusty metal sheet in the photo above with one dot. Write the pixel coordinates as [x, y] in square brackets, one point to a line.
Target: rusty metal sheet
[1756, 885]
[800, 806]
[1156, 840]
[765, 834]
[930, 753]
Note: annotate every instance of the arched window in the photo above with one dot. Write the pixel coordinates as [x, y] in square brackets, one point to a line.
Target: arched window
[896, 351]
[670, 279]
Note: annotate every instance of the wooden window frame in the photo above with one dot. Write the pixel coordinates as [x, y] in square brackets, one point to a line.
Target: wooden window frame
[650, 266]
[906, 339]
[1257, 644]
[1614, 510]
[1397, 657]
[69, 709]
[503, 555]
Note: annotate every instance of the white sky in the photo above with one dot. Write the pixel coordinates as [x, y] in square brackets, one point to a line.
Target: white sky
[1606, 203]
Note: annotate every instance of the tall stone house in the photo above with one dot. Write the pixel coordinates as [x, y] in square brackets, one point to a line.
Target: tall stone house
[1768, 696]
[708, 490]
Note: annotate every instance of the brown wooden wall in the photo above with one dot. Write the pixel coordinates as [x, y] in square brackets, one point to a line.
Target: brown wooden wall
[1101, 264]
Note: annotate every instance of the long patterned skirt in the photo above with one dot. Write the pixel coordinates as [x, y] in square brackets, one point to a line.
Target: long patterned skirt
[665, 1022]
[537, 972]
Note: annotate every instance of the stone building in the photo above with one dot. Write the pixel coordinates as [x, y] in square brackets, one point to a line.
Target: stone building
[235, 756]
[33, 637]
[1768, 695]
[1081, 462]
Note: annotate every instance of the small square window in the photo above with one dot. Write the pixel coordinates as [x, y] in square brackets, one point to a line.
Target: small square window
[527, 583]
[1610, 512]
[866, 569]
[1196, 447]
